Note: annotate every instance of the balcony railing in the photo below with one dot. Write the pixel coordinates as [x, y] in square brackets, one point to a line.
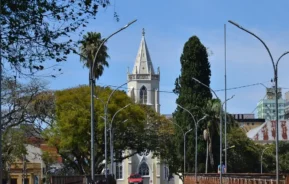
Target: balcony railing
[143, 76]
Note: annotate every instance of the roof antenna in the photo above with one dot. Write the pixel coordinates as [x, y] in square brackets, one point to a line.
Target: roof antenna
[143, 32]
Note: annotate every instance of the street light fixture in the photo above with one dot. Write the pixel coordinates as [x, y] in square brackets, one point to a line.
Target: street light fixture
[105, 123]
[184, 135]
[92, 83]
[261, 159]
[221, 108]
[226, 130]
[275, 71]
[111, 137]
[196, 139]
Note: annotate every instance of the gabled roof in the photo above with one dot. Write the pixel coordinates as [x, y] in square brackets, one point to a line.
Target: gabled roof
[143, 63]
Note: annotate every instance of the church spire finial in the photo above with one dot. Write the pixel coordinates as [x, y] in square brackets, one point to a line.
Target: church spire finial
[143, 32]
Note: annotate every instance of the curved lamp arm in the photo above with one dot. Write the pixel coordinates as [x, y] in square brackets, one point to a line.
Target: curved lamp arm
[118, 112]
[240, 27]
[188, 112]
[105, 40]
[206, 86]
[285, 53]
[113, 92]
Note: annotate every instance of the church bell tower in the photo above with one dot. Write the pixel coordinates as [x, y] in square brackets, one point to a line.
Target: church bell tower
[143, 82]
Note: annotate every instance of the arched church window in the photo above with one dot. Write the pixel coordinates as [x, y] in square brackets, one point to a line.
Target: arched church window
[144, 169]
[143, 95]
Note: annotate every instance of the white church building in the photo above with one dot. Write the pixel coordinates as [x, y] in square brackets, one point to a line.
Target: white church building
[143, 87]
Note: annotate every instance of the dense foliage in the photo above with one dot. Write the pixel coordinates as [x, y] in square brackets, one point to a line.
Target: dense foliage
[19, 102]
[13, 146]
[36, 31]
[191, 95]
[136, 128]
[89, 46]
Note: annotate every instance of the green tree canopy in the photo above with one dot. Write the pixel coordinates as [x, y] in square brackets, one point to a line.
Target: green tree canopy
[245, 156]
[13, 146]
[89, 46]
[191, 95]
[35, 31]
[71, 131]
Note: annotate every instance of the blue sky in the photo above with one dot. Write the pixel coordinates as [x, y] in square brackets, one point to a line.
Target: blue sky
[168, 26]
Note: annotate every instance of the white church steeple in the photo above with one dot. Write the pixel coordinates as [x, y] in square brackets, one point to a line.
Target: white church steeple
[143, 82]
[143, 63]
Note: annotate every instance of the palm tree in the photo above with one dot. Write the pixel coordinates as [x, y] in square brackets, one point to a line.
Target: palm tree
[88, 48]
[213, 111]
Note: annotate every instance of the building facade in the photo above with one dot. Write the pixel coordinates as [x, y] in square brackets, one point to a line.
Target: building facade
[143, 88]
[287, 105]
[247, 121]
[266, 107]
[266, 133]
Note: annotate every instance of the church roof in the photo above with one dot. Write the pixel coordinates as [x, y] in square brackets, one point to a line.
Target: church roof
[143, 63]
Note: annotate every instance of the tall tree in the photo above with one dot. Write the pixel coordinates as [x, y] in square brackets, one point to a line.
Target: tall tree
[212, 126]
[89, 46]
[192, 95]
[36, 31]
[17, 101]
[13, 143]
[70, 132]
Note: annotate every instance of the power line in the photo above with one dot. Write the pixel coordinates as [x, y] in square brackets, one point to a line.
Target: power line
[219, 90]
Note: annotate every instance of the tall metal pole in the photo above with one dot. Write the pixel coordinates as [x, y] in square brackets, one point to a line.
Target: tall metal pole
[92, 80]
[277, 122]
[275, 69]
[105, 140]
[105, 125]
[184, 158]
[196, 153]
[225, 98]
[1, 165]
[92, 124]
[185, 153]
[111, 138]
[207, 155]
[261, 159]
[221, 127]
[196, 139]
[221, 109]
[111, 148]
[184, 135]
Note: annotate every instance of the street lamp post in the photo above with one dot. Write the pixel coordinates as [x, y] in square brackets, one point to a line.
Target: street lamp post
[92, 83]
[196, 139]
[105, 124]
[207, 148]
[185, 152]
[111, 138]
[184, 135]
[275, 70]
[221, 108]
[261, 159]
[226, 128]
